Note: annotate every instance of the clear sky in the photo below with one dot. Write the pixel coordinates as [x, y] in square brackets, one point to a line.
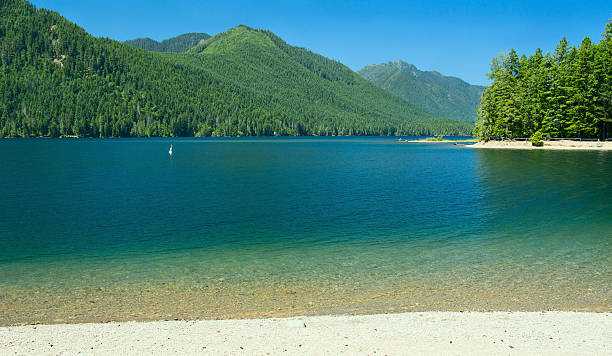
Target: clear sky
[456, 38]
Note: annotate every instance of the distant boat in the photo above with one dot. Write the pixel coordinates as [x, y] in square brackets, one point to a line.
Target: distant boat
[170, 152]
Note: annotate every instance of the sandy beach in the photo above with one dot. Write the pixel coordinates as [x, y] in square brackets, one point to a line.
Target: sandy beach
[546, 333]
[551, 145]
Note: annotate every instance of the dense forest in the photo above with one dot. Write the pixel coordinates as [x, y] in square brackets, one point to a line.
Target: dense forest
[57, 80]
[566, 95]
[176, 44]
[438, 94]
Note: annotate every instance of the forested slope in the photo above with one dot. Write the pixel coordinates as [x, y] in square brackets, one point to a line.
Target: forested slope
[438, 94]
[567, 94]
[58, 80]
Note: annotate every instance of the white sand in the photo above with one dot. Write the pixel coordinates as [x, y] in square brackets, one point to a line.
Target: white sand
[499, 333]
[550, 145]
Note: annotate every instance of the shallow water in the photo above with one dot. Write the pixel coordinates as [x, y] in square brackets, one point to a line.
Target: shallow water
[116, 229]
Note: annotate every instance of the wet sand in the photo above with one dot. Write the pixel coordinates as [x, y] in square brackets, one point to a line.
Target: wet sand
[551, 333]
[552, 145]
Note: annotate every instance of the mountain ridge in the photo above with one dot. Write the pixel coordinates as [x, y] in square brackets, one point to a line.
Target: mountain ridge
[59, 80]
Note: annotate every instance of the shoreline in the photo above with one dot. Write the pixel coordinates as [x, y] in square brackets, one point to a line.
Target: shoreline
[548, 145]
[463, 141]
[412, 333]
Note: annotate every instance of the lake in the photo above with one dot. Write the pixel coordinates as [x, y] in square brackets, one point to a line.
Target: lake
[117, 229]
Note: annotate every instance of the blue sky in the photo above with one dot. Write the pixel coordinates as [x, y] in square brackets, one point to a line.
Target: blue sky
[457, 38]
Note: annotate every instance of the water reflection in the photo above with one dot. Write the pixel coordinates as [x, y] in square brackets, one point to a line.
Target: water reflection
[547, 192]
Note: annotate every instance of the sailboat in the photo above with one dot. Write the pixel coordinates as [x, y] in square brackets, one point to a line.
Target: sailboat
[170, 152]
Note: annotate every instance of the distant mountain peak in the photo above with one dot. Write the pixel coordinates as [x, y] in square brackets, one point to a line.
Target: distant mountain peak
[180, 43]
[441, 95]
[245, 27]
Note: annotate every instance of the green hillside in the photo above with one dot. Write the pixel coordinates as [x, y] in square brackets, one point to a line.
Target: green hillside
[440, 95]
[58, 80]
[176, 44]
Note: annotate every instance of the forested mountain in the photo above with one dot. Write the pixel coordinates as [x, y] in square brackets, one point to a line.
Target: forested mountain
[176, 44]
[440, 95]
[567, 94]
[58, 80]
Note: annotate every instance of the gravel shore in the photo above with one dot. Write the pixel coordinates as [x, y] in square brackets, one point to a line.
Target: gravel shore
[499, 333]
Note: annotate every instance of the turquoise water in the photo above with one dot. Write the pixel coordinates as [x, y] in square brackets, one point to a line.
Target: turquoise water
[343, 224]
